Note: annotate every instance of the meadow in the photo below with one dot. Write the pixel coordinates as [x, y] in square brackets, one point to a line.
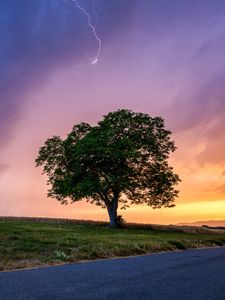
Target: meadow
[33, 242]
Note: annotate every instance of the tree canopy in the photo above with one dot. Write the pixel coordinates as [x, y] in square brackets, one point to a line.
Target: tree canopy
[121, 161]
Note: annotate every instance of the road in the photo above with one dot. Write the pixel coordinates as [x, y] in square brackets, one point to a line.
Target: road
[192, 274]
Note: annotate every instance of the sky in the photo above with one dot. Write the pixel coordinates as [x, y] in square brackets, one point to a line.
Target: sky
[59, 68]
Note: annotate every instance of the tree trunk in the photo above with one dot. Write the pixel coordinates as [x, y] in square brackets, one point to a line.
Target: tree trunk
[112, 211]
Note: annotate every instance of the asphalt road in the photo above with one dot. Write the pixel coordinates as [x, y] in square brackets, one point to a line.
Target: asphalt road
[193, 274]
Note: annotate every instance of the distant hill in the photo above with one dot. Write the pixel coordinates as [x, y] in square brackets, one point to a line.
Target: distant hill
[211, 223]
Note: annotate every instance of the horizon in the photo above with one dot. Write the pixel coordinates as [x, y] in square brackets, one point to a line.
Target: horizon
[61, 67]
[210, 223]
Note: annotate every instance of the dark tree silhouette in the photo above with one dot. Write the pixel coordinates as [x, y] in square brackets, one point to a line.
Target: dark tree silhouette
[121, 161]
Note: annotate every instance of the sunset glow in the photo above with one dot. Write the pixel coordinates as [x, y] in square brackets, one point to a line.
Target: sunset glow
[164, 58]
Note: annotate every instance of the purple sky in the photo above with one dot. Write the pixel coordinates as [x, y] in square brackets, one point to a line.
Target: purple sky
[160, 57]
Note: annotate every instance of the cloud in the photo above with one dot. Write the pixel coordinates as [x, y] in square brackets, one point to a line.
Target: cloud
[37, 37]
[203, 48]
[204, 116]
[221, 189]
[3, 168]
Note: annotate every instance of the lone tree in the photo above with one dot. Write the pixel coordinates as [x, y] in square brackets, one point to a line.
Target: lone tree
[121, 161]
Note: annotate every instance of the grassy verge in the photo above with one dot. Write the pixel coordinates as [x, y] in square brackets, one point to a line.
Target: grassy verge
[30, 244]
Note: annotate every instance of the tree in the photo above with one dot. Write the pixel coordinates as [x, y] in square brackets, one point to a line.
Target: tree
[121, 161]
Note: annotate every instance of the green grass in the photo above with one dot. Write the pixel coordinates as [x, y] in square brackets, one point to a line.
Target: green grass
[30, 244]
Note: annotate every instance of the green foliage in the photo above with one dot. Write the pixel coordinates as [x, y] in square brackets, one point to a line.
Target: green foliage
[29, 244]
[60, 254]
[121, 221]
[121, 161]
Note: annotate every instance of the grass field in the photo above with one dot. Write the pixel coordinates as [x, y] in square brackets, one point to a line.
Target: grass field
[30, 244]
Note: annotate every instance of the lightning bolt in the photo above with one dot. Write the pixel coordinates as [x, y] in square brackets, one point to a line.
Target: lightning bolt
[93, 60]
